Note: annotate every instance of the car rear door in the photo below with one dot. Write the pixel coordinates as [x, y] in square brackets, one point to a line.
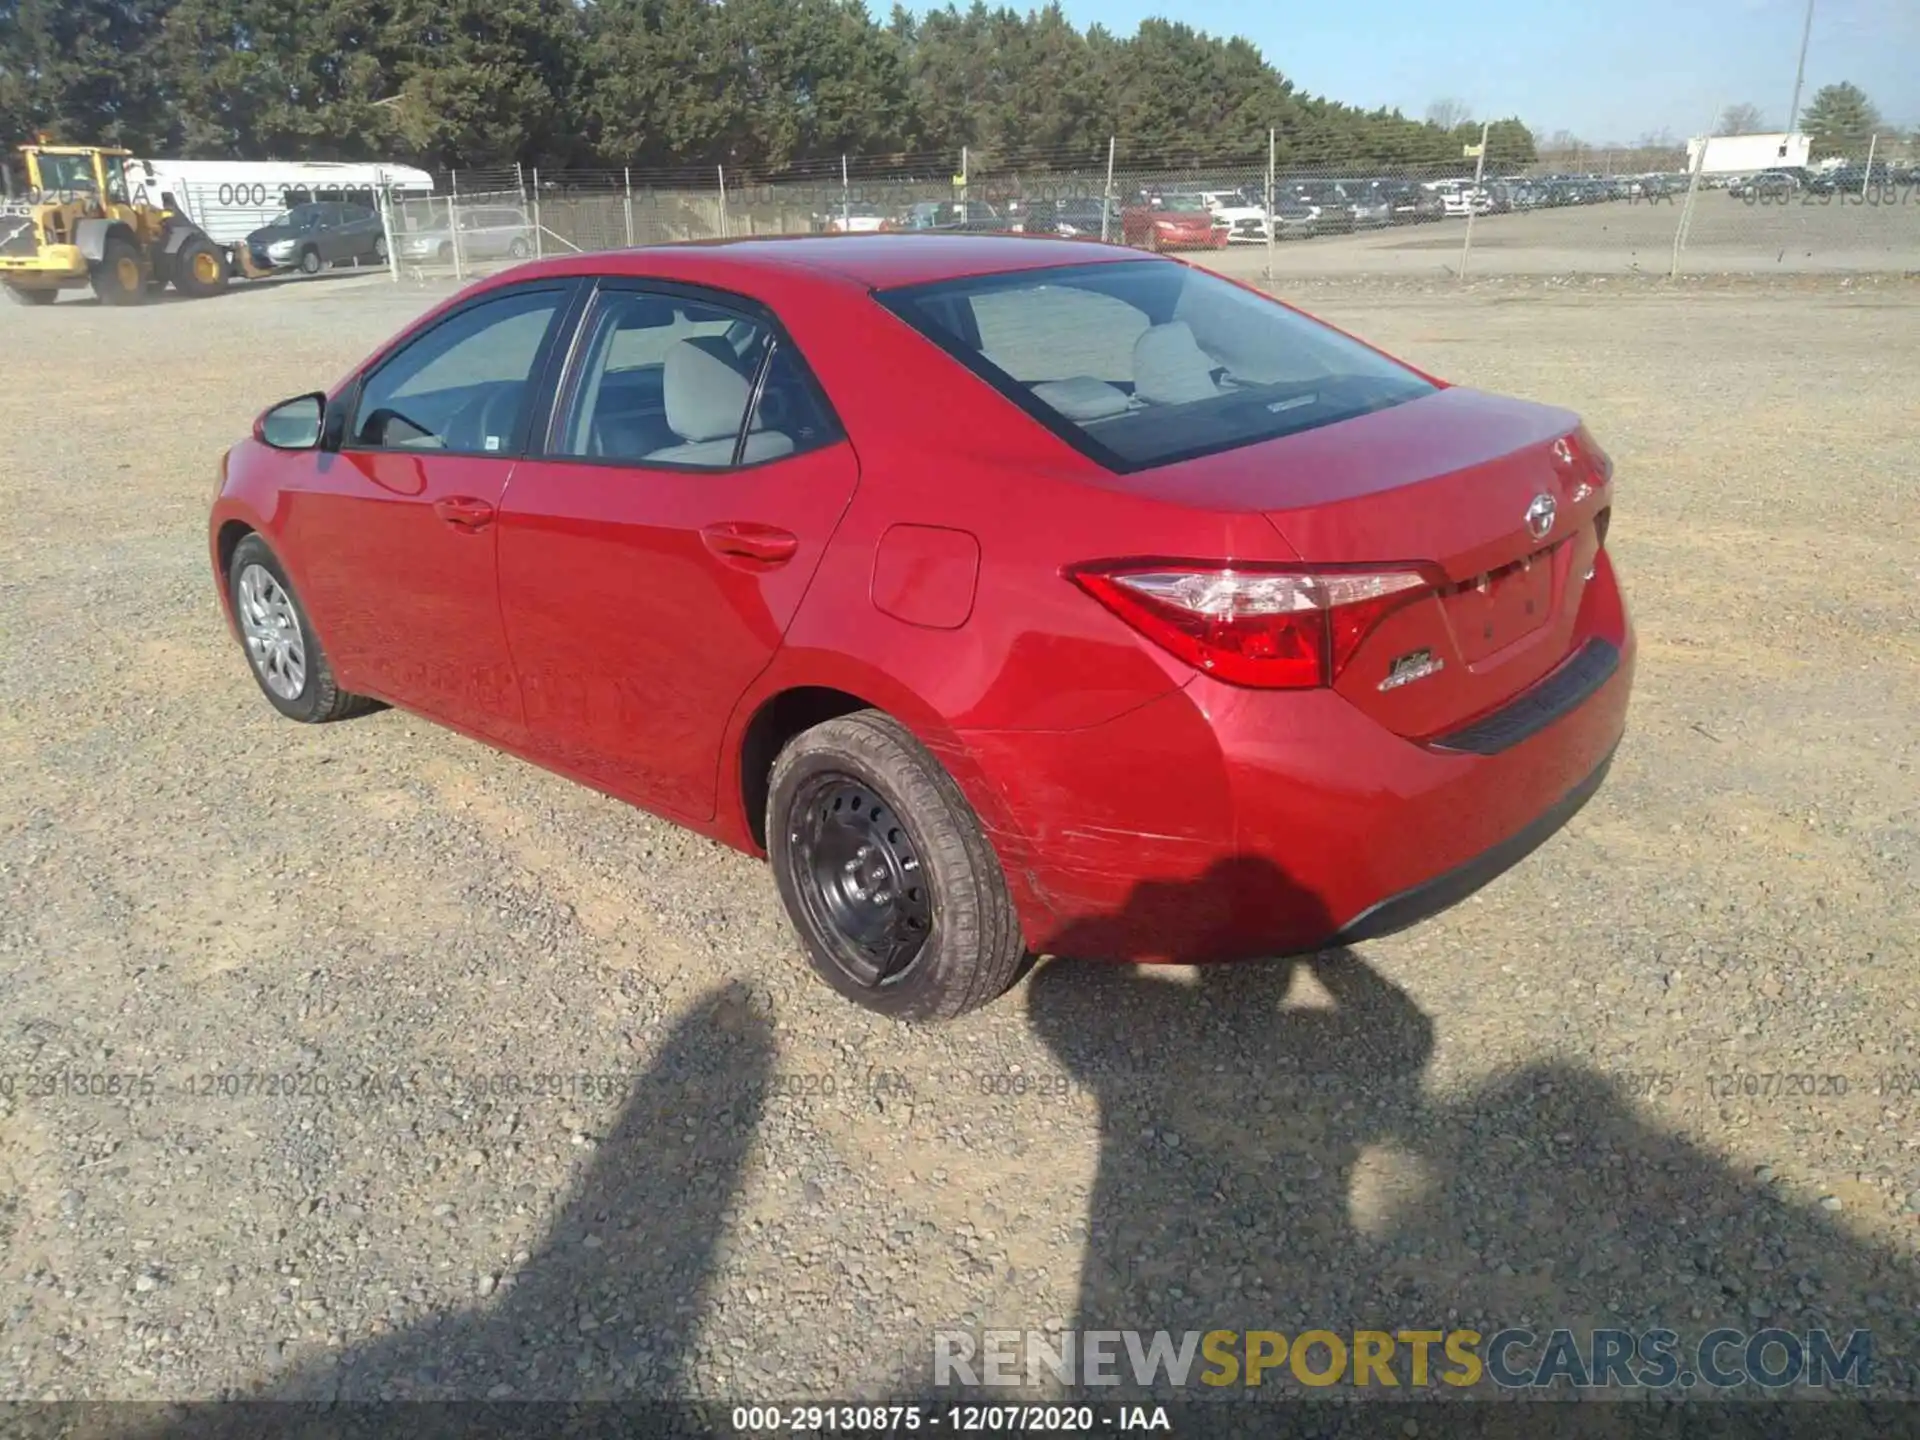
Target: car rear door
[361, 228]
[652, 559]
[394, 531]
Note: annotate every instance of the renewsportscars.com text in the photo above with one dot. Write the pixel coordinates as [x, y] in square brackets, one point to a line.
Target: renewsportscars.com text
[1511, 1359]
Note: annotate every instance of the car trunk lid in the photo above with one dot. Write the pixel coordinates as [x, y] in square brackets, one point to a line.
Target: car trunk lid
[1493, 499]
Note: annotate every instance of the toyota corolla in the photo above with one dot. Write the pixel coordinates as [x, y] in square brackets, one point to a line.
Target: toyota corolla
[1009, 595]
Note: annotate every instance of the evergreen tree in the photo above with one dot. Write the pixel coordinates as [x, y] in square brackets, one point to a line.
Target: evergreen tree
[1840, 120]
[83, 70]
[758, 85]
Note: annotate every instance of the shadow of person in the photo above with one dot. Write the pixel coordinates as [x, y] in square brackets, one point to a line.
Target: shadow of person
[1552, 1200]
[1232, 1108]
[608, 1306]
[1269, 1160]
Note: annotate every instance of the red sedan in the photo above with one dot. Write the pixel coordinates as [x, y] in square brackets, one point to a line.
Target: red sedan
[1179, 222]
[1012, 596]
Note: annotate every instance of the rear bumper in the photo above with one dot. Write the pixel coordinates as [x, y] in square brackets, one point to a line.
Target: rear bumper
[1218, 823]
[1444, 891]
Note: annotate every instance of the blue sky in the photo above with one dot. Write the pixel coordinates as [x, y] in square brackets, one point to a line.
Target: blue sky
[1604, 69]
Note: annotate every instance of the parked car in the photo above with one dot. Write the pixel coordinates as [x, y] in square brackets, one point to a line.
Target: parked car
[1411, 204]
[1852, 180]
[867, 513]
[1466, 199]
[318, 234]
[1081, 219]
[1247, 224]
[487, 232]
[950, 215]
[855, 219]
[1331, 204]
[1768, 185]
[1177, 222]
[1368, 206]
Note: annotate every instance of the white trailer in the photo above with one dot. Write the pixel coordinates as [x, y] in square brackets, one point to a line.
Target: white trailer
[1748, 154]
[230, 199]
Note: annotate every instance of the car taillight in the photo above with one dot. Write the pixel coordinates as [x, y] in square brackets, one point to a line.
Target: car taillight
[1262, 626]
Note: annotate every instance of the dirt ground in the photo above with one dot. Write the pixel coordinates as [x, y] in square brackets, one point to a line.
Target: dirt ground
[362, 1059]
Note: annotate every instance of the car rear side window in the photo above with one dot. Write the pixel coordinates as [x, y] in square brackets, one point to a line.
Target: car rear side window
[666, 380]
[1145, 363]
[464, 384]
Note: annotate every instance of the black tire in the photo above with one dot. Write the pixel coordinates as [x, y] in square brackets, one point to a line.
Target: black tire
[519, 249]
[21, 296]
[379, 249]
[320, 699]
[310, 262]
[199, 269]
[972, 948]
[117, 277]
[444, 254]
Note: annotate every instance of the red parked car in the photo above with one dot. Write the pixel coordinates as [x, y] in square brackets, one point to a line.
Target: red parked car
[1012, 595]
[1178, 222]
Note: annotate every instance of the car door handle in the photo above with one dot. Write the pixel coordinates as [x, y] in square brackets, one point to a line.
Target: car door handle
[464, 512]
[744, 540]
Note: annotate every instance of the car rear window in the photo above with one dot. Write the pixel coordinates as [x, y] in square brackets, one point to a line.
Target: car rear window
[1139, 364]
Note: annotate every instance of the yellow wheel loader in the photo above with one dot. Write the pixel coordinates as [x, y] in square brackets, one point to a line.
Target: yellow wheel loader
[77, 225]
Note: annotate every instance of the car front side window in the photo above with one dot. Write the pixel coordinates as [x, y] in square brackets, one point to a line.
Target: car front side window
[464, 386]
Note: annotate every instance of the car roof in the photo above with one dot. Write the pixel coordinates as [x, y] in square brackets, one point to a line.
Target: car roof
[876, 261]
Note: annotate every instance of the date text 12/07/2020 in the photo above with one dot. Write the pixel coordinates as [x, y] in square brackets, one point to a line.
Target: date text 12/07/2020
[967, 1419]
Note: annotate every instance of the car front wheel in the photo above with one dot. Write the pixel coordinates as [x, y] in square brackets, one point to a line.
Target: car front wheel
[282, 650]
[898, 898]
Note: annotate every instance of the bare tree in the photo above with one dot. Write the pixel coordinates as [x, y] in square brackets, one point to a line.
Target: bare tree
[1448, 114]
[1742, 119]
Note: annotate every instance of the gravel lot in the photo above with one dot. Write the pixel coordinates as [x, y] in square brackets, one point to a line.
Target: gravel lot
[452, 1078]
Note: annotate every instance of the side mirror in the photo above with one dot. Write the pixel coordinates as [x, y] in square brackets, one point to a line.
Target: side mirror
[292, 424]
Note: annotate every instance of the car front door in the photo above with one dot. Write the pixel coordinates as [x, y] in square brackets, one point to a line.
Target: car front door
[652, 559]
[328, 237]
[396, 532]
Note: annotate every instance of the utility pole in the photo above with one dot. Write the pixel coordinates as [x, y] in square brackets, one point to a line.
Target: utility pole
[1473, 195]
[1106, 197]
[1800, 72]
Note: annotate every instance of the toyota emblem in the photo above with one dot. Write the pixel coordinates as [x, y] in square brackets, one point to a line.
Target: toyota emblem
[1540, 516]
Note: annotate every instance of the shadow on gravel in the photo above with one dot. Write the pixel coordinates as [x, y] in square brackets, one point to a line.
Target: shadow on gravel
[1270, 1161]
[620, 1281]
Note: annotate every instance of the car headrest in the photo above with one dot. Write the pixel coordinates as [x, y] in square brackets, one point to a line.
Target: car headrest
[1170, 368]
[1081, 397]
[705, 393]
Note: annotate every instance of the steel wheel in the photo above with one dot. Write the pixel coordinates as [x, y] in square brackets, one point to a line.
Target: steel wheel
[272, 632]
[858, 874]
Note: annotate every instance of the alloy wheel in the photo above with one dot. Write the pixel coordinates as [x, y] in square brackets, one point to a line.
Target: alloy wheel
[271, 628]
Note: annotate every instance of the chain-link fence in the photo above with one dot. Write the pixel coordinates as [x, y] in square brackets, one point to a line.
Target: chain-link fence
[1280, 214]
